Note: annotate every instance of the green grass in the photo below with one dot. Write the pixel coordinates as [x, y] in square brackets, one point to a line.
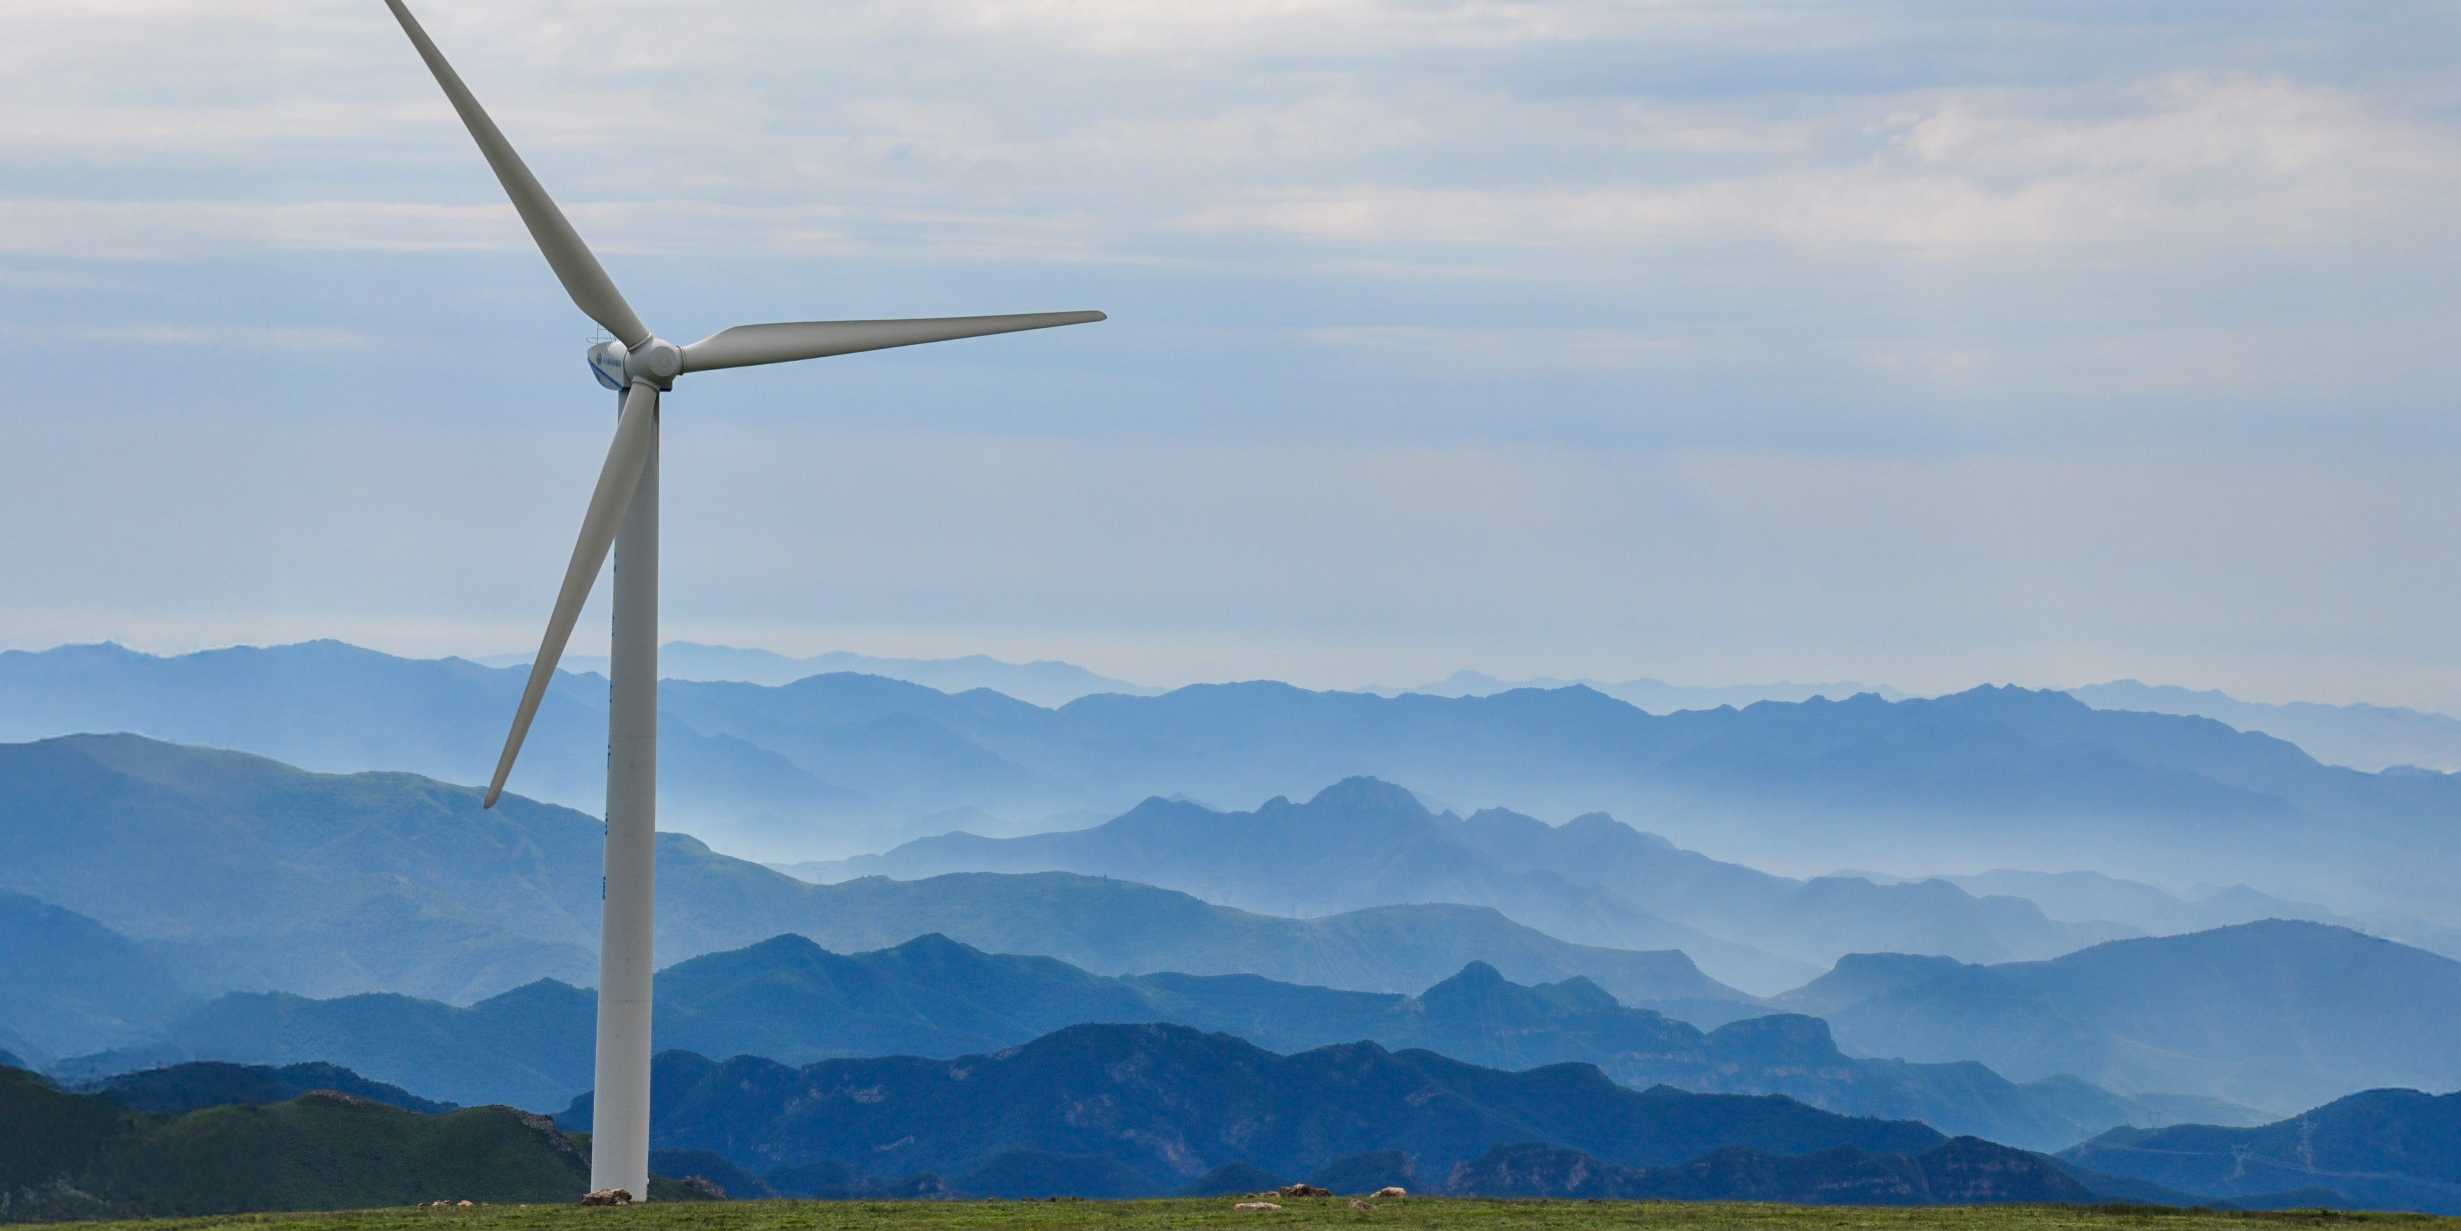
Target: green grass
[1336, 1212]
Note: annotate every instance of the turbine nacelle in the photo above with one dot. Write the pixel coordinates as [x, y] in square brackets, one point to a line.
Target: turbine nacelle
[656, 361]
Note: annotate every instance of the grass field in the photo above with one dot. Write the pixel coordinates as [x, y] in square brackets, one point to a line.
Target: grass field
[1335, 1212]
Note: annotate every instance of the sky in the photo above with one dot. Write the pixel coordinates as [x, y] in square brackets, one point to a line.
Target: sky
[1926, 343]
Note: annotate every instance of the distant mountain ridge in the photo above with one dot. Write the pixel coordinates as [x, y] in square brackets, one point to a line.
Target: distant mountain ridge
[263, 876]
[837, 764]
[2365, 737]
[788, 1000]
[2272, 1014]
[1592, 879]
[1654, 695]
[1044, 682]
[2085, 897]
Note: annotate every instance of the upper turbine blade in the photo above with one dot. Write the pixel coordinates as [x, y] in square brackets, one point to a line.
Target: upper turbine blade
[745, 345]
[583, 278]
[616, 481]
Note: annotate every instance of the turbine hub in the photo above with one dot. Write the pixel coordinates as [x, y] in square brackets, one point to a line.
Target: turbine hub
[617, 366]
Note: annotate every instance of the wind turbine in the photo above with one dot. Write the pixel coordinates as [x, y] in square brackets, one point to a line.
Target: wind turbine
[623, 516]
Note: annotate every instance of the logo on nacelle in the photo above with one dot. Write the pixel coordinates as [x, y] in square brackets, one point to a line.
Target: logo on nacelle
[607, 364]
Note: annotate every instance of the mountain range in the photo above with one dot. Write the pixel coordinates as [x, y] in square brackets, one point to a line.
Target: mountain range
[1654, 695]
[833, 765]
[2111, 902]
[2368, 737]
[2084, 897]
[242, 874]
[202, 1139]
[2385, 1149]
[1044, 682]
[1592, 879]
[250, 874]
[211, 1139]
[1122, 1109]
[2361, 736]
[2275, 1014]
[789, 1000]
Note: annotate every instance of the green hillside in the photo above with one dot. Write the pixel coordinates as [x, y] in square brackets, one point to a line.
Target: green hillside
[178, 1088]
[68, 1156]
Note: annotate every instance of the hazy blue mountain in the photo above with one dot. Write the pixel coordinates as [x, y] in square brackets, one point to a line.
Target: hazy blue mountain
[1160, 1106]
[789, 1000]
[174, 1089]
[2081, 896]
[263, 875]
[1654, 695]
[1965, 1171]
[2264, 1014]
[1862, 977]
[1044, 682]
[324, 705]
[69, 984]
[2368, 737]
[1593, 879]
[1390, 849]
[268, 877]
[2385, 1149]
[834, 764]
[2087, 897]
[11, 1060]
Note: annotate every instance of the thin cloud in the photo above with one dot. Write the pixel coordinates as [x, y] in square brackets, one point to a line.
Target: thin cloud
[252, 337]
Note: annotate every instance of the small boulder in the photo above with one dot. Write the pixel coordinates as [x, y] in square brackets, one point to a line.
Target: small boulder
[1391, 1192]
[1359, 1205]
[1256, 1207]
[1305, 1190]
[607, 1196]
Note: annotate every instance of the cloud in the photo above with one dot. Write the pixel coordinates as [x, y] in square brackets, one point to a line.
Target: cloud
[1527, 349]
[2187, 159]
[253, 337]
[1349, 124]
[1731, 331]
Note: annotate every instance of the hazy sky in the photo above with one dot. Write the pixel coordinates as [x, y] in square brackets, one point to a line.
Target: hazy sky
[1921, 342]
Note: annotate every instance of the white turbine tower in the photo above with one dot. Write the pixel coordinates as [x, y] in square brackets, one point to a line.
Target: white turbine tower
[623, 516]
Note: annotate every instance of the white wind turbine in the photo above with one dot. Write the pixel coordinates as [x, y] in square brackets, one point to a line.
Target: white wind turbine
[623, 516]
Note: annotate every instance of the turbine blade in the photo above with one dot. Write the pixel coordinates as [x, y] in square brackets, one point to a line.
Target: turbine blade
[583, 278]
[745, 345]
[616, 481]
